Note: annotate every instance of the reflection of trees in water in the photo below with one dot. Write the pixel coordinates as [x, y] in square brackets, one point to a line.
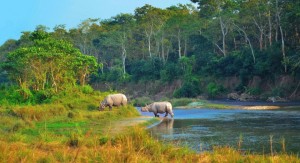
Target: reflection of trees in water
[165, 127]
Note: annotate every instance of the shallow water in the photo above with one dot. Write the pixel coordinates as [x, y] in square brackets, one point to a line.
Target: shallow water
[256, 130]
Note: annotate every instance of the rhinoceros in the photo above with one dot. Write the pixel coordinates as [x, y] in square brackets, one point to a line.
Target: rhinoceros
[159, 107]
[113, 100]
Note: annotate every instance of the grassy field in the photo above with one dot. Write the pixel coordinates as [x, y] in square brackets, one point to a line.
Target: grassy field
[71, 129]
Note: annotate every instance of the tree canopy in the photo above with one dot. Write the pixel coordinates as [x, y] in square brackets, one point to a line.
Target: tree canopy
[215, 40]
[48, 63]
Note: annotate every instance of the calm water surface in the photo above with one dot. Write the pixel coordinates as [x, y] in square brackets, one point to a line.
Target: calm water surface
[201, 129]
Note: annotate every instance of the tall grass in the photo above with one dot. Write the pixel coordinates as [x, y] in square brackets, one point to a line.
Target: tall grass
[71, 129]
[135, 145]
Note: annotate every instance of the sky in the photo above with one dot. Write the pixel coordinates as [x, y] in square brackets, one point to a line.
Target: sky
[17, 16]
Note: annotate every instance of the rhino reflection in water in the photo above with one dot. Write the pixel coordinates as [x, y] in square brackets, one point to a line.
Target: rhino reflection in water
[165, 127]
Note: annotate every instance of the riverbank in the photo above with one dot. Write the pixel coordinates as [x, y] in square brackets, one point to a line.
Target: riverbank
[71, 129]
[231, 104]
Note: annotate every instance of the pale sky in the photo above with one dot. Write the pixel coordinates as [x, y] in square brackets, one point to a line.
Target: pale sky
[24, 15]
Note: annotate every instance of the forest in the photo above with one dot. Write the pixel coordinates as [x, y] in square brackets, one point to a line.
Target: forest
[205, 49]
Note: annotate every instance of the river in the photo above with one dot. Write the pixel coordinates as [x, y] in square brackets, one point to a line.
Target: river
[254, 131]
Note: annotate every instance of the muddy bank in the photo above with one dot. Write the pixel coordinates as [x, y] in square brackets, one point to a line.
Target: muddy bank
[231, 104]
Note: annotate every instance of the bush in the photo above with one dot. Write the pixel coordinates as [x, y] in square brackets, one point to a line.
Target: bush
[187, 90]
[253, 91]
[141, 101]
[213, 89]
[74, 140]
[171, 72]
[181, 101]
[87, 89]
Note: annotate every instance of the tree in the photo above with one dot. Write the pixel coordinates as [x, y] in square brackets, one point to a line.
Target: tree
[48, 64]
[151, 20]
[117, 39]
[222, 11]
[181, 24]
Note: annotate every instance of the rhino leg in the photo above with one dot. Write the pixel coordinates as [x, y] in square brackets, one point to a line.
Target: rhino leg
[156, 115]
[110, 107]
[166, 114]
[172, 115]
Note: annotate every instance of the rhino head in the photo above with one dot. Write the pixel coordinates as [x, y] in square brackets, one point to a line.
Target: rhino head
[102, 106]
[145, 109]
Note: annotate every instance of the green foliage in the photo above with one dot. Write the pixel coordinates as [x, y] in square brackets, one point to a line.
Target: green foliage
[115, 74]
[48, 63]
[147, 70]
[13, 95]
[190, 87]
[87, 89]
[278, 91]
[141, 101]
[253, 91]
[181, 101]
[187, 90]
[170, 72]
[158, 44]
[214, 89]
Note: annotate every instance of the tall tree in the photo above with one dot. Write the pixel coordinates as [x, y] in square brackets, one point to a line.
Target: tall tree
[48, 63]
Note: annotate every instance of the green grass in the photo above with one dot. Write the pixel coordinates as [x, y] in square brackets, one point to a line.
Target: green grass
[71, 129]
[182, 101]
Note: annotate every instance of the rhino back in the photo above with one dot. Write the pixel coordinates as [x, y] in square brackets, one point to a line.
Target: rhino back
[118, 99]
[161, 107]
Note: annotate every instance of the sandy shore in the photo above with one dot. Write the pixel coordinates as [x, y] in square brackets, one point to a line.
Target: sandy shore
[246, 107]
[259, 107]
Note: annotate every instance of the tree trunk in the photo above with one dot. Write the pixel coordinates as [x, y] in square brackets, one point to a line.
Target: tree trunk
[124, 54]
[163, 49]
[277, 22]
[149, 36]
[185, 47]
[261, 32]
[283, 49]
[149, 44]
[282, 38]
[158, 48]
[234, 42]
[270, 28]
[224, 30]
[179, 43]
[248, 40]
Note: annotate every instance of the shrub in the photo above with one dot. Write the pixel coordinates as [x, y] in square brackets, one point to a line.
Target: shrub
[141, 101]
[171, 72]
[74, 140]
[87, 89]
[181, 101]
[213, 89]
[187, 90]
[253, 91]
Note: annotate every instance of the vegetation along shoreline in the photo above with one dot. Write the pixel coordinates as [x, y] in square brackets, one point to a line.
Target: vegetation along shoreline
[56, 85]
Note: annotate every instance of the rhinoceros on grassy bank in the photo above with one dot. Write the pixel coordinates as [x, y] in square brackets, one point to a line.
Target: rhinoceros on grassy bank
[159, 107]
[113, 100]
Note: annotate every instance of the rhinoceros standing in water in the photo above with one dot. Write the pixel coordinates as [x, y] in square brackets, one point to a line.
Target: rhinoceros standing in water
[159, 107]
[113, 100]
